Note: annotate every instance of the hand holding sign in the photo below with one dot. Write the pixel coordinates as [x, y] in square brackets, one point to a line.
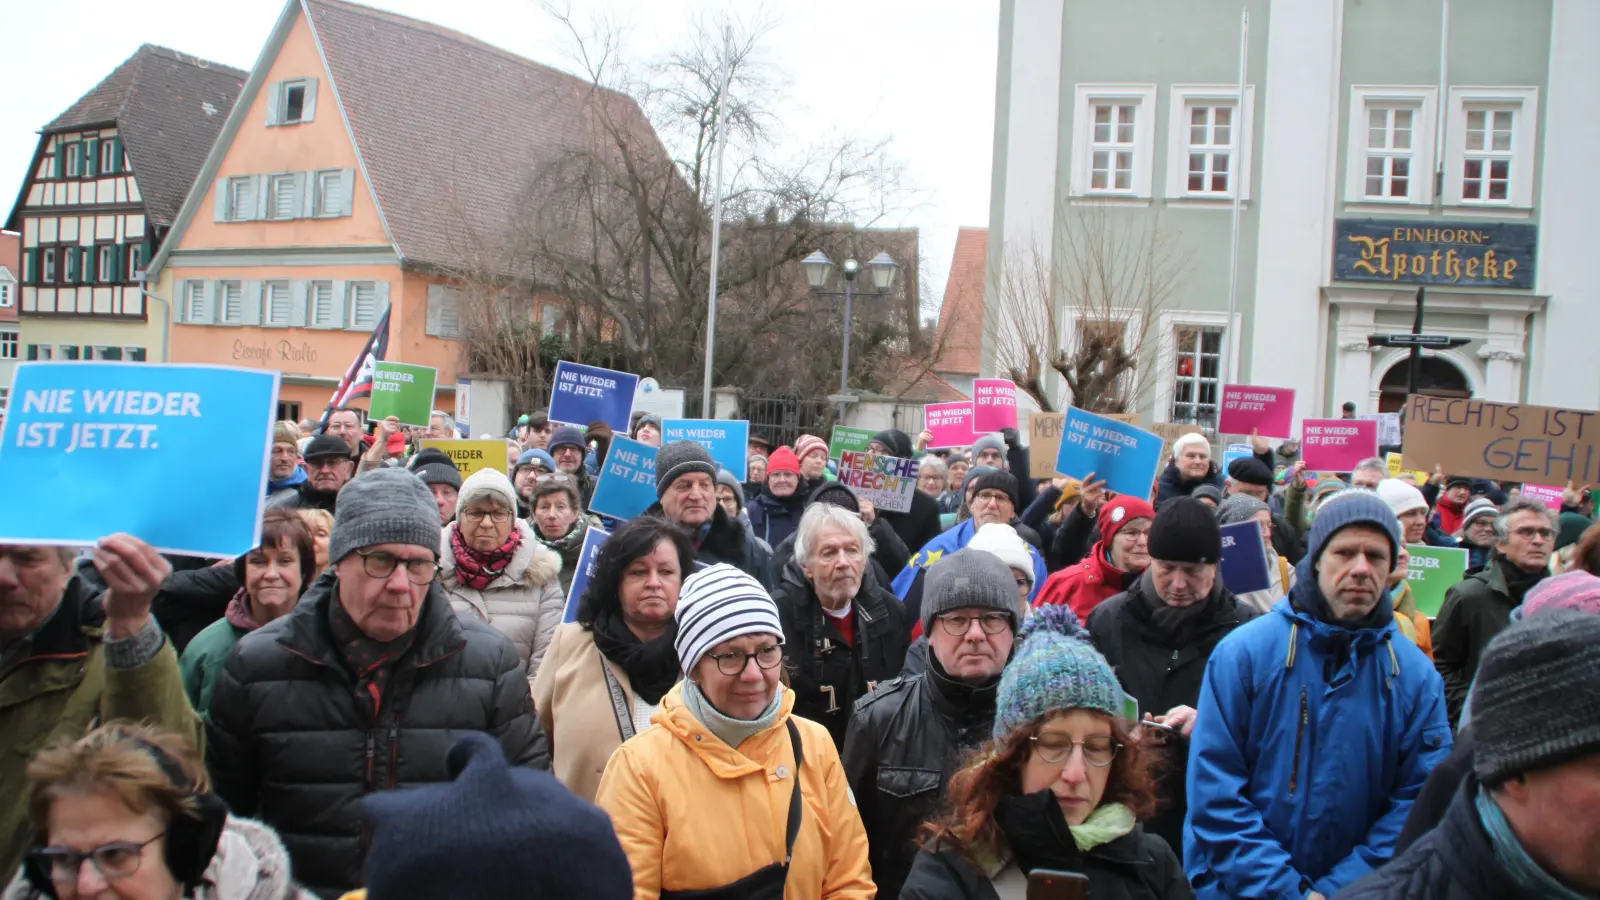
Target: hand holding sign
[133, 572]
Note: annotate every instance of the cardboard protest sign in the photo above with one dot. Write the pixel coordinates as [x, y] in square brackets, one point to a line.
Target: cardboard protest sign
[89, 449]
[994, 405]
[1269, 411]
[593, 540]
[403, 391]
[1125, 457]
[845, 438]
[1502, 441]
[1432, 572]
[1244, 558]
[726, 439]
[1388, 427]
[627, 483]
[1547, 494]
[1337, 445]
[1169, 432]
[1044, 443]
[1124, 418]
[888, 481]
[471, 457]
[950, 424]
[585, 394]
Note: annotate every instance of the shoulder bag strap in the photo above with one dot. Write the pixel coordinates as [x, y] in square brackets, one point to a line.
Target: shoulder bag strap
[795, 802]
[619, 701]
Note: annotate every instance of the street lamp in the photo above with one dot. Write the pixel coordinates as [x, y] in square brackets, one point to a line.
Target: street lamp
[818, 265]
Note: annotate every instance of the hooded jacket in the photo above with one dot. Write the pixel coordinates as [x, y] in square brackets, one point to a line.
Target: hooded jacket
[1085, 585]
[693, 813]
[525, 602]
[1310, 743]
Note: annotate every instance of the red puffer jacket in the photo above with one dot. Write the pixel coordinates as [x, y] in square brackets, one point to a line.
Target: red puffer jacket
[1085, 585]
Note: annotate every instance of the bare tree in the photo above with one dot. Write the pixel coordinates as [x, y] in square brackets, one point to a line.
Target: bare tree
[1087, 310]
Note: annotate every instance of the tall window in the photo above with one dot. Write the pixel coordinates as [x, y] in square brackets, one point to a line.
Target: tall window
[323, 313]
[275, 298]
[1390, 151]
[329, 194]
[194, 301]
[1111, 147]
[283, 197]
[241, 198]
[1211, 134]
[107, 263]
[1197, 375]
[363, 304]
[8, 344]
[5, 295]
[74, 159]
[1486, 162]
[41, 351]
[110, 155]
[74, 258]
[230, 302]
[294, 102]
[48, 266]
[135, 259]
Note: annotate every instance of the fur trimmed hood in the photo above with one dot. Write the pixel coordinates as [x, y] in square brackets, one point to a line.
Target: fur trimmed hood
[534, 564]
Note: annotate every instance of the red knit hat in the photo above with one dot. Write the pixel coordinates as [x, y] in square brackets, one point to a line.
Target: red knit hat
[1119, 512]
[783, 460]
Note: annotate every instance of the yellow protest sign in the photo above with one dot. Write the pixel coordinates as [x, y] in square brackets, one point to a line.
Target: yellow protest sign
[1394, 464]
[471, 456]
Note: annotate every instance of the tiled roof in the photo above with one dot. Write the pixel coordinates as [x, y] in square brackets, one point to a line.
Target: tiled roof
[449, 128]
[961, 314]
[168, 107]
[912, 385]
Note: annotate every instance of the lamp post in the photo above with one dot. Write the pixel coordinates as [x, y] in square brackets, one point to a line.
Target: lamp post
[817, 267]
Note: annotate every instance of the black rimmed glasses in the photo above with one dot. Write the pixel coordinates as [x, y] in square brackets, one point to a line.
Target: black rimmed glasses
[1098, 751]
[118, 859]
[476, 516]
[379, 564]
[958, 624]
[734, 663]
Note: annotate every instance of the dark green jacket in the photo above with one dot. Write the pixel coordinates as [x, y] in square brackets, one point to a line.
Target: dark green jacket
[1474, 611]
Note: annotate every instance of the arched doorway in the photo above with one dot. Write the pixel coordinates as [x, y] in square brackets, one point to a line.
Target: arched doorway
[1437, 376]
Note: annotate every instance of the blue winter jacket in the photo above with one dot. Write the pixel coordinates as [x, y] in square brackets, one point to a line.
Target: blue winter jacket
[951, 542]
[1310, 744]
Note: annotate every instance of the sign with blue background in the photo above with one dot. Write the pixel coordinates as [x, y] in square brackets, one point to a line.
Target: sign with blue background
[1233, 452]
[593, 540]
[583, 394]
[627, 483]
[727, 439]
[1415, 251]
[1124, 456]
[175, 455]
[1244, 558]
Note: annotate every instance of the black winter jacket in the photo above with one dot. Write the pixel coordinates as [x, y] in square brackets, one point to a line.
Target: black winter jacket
[289, 743]
[301, 496]
[1163, 671]
[890, 555]
[906, 739]
[1454, 861]
[1136, 866]
[729, 541]
[774, 520]
[1173, 484]
[1475, 610]
[918, 526]
[828, 676]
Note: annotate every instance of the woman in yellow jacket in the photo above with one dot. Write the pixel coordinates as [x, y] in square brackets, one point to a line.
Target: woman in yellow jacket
[734, 797]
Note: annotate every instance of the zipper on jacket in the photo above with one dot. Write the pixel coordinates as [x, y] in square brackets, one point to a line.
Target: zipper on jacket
[1299, 740]
[394, 754]
[371, 753]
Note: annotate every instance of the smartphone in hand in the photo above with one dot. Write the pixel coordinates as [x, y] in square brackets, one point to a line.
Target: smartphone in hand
[1048, 884]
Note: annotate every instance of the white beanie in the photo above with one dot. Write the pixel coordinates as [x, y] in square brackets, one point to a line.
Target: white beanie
[1401, 497]
[486, 482]
[1193, 437]
[1003, 541]
[718, 604]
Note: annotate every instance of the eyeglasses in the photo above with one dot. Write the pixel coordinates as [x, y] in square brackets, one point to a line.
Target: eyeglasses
[115, 860]
[1098, 751]
[1532, 532]
[995, 497]
[958, 625]
[378, 564]
[1133, 534]
[735, 662]
[497, 516]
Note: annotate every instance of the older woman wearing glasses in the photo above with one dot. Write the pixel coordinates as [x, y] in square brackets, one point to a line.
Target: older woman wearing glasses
[731, 795]
[494, 568]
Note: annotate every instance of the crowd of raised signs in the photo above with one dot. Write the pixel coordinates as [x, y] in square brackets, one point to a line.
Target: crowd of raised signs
[441, 675]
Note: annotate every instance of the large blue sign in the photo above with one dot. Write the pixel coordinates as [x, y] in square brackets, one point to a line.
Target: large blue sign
[1124, 456]
[728, 440]
[1244, 558]
[583, 394]
[627, 483]
[1416, 251]
[593, 540]
[175, 455]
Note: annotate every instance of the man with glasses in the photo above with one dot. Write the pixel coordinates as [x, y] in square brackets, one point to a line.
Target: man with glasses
[364, 687]
[907, 737]
[329, 468]
[1479, 607]
[344, 423]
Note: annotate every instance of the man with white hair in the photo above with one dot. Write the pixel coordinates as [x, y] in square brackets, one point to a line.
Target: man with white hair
[441, 426]
[843, 633]
[1368, 473]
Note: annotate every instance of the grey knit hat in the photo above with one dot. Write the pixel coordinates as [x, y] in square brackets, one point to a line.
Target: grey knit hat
[725, 477]
[971, 578]
[681, 458]
[384, 506]
[1536, 701]
[989, 442]
[1238, 508]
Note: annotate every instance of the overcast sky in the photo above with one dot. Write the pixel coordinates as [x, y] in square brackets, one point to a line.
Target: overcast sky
[920, 72]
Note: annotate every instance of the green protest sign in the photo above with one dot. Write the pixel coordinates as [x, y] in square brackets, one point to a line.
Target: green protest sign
[403, 391]
[1433, 571]
[849, 439]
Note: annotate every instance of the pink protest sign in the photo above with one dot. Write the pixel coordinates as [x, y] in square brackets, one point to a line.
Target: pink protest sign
[949, 423]
[1544, 493]
[1337, 445]
[1267, 410]
[994, 405]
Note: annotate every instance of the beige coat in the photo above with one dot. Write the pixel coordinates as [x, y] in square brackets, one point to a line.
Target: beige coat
[524, 603]
[575, 709]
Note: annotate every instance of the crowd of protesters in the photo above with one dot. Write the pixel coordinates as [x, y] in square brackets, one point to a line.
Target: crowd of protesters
[771, 688]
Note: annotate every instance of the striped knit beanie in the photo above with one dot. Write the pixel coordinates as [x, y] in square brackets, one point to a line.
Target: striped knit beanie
[1054, 668]
[718, 604]
[1575, 590]
[809, 444]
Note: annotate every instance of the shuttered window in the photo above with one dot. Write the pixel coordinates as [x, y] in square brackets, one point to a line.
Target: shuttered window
[278, 301]
[323, 312]
[363, 304]
[194, 301]
[241, 199]
[230, 302]
[284, 197]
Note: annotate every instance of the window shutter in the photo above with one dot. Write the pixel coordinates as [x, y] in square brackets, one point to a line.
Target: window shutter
[261, 186]
[340, 318]
[30, 259]
[219, 197]
[86, 267]
[136, 354]
[297, 303]
[274, 100]
[111, 353]
[58, 162]
[115, 276]
[347, 191]
[116, 155]
[308, 193]
[33, 351]
[381, 303]
[91, 156]
[251, 303]
[208, 302]
[435, 301]
[309, 109]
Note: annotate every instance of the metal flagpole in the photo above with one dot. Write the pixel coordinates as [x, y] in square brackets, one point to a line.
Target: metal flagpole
[716, 220]
[1229, 364]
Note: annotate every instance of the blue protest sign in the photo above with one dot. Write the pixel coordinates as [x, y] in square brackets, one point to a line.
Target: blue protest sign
[727, 440]
[1244, 558]
[627, 483]
[1124, 456]
[1233, 452]
[175, 455]
[593, 539]
[584, 394]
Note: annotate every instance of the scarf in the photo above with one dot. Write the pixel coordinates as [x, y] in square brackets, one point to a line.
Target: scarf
[238, 613]
[372, 662]
[1519, 582]
[1176, 626]
[652, 666]
[295, 479]
[975, 701]
[1039, 837]
[568, 545]
[477, 568]
[1508, 851]
[729, 730]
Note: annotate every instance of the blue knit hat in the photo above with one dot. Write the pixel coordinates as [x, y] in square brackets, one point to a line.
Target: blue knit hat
[491, 832]
[541, 457]
[567, 436]
[1053, 668]
[1351, 506]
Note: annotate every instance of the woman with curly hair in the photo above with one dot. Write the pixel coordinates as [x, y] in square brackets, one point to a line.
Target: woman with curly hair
[1062, 787]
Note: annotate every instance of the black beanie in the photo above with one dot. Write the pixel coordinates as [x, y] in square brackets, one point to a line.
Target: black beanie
[1185, 531]
[836, 494]
[1249, 470]
[993, 479]
[896, 440]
